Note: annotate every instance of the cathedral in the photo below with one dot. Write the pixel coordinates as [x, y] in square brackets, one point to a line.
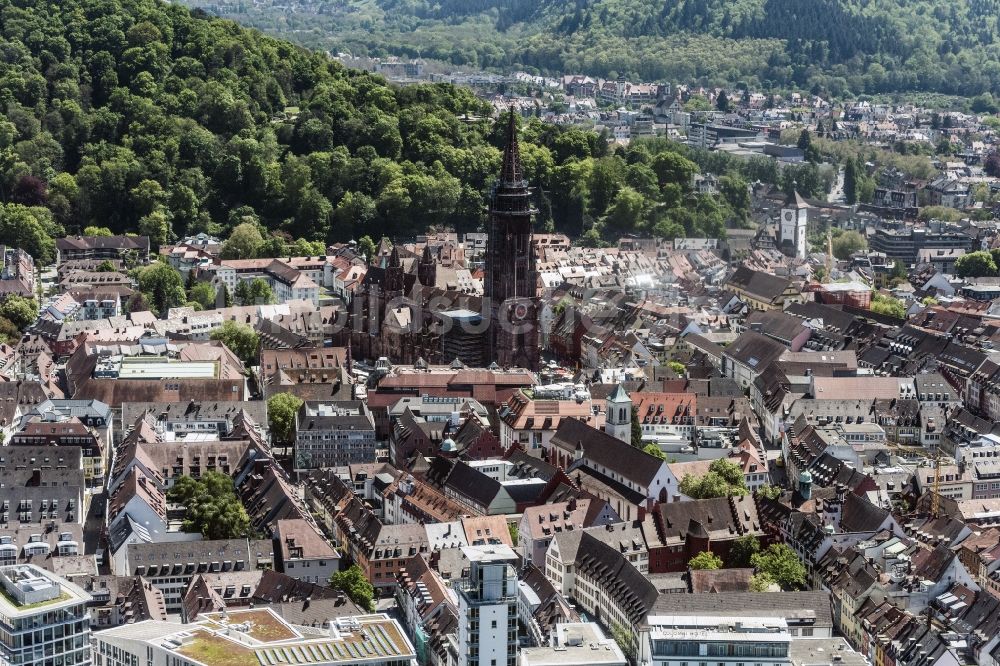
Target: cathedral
[403, 312]
[510, 286]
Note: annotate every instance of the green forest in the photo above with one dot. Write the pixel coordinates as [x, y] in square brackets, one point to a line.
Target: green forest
[839, 47]
[138, 116]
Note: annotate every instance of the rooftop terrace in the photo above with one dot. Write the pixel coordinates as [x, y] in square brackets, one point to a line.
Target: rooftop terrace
[258, 637]
[25, 588]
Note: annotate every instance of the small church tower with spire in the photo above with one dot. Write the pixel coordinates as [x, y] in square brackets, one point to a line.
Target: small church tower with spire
[793, 227]
[618, 420]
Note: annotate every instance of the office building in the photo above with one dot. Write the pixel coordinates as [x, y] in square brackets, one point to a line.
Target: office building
[723, 641]
[487, 607]
[575, 644]
[43, 618]
[255, 636]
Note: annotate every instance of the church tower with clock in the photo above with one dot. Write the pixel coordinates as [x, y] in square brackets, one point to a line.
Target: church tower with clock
[511, 279]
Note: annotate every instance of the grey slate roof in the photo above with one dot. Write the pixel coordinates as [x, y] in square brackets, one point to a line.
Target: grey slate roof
[754, 350]
[758, 283]
[607, 451]
[753, 604]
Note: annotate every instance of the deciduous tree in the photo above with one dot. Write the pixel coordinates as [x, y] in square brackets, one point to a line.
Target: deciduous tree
[212, 506]
[20, 311]
[976, 264]
[162, 286]
[281, 410]
[848, 243]
[743, 550]
[352, 582]
[241, 339]
[655, 451]
[244, 242]
[723, 479]
[705, 560]
[782, 565]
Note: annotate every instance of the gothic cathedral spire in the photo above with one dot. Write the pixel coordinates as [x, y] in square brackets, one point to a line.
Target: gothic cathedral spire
[511, 280]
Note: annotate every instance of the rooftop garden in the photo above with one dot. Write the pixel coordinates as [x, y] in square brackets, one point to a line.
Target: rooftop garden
[264, 626]
[217, 651]
[63, 596]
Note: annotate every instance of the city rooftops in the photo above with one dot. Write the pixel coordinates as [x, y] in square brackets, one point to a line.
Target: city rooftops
[824, 652]
[26, 588]
[735, 627]
[260, 636]
[490, 553]
[139, 367]
[576, 643]
[462, 315]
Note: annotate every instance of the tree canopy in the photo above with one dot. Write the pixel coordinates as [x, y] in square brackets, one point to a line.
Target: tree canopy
[826, 46]
[635, 430]
[281, 410]
[723, 479]
[352, 582]
[161, 285]
[213, 508]
[781, 565]
[847, 243]
[254, 292]
[976, 264]
[140, 116]
[19, 311]
[241, 339]
[705, 560]
[655, 451]
[742, 551]
[887, 305]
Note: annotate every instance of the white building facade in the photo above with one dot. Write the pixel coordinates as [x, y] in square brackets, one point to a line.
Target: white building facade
[487, 607]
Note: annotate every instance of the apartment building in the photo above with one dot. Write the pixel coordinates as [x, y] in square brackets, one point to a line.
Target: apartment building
[44, 619]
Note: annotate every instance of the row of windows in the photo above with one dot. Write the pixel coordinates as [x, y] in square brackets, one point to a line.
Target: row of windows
[705, 663]
[769, 649]
[119, 655]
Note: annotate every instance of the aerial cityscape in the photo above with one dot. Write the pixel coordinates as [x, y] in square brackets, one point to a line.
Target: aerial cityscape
[614, 333]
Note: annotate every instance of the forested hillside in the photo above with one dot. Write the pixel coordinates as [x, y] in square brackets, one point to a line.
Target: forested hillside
[841, 46]
[139, 116]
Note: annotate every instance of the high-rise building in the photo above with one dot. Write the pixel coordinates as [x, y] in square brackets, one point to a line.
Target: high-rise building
[487, 607]
[44, 619]
[511, 280]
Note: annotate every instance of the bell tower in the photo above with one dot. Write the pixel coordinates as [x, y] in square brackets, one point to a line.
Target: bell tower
[618, 419]
[511, 280]
[394, 276]
[795, 226]
[427, 268]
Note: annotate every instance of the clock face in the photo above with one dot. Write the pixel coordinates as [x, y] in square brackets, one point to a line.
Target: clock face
[788, 215]
[520, 311]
